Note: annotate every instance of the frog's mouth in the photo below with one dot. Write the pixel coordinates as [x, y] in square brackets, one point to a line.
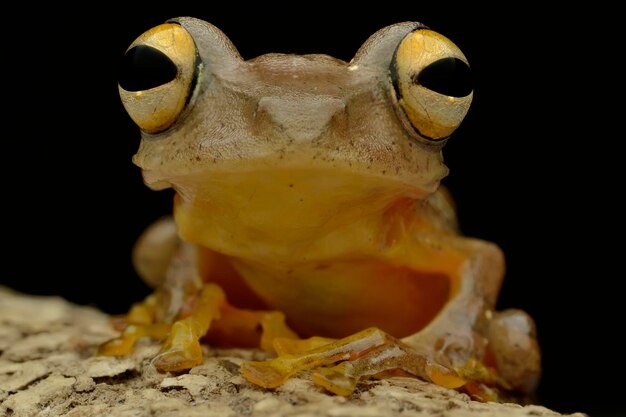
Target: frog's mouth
[305, 192]
[303, 179]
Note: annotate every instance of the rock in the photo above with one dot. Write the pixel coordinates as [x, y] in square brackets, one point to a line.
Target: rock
[48, 368]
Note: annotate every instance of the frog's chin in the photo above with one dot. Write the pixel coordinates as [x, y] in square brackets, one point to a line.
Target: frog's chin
[258, 213]
[154, 182]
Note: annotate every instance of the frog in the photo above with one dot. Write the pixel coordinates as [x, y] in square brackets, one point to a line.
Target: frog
[309, 216]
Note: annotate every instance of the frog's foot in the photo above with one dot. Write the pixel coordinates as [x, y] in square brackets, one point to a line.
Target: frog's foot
[365, 354]
[210, 316]
[138, 323]
[123, 345]
[228, 324]
[285, 346]
[182, 348]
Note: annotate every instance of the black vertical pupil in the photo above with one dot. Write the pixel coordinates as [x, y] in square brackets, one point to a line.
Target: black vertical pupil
[448, 76]
[144, 67]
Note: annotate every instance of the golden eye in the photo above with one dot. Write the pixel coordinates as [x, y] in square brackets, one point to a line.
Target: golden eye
[433, 84]
[158, 75]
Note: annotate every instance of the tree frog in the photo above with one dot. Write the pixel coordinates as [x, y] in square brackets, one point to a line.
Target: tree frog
[309, 219]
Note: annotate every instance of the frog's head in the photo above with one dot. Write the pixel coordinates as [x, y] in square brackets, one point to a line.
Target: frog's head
[290, 139]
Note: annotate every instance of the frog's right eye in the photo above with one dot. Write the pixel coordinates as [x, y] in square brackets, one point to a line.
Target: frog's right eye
[158, 76]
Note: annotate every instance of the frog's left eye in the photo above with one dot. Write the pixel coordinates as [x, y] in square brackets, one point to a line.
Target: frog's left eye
[158, 76]
[432, 81]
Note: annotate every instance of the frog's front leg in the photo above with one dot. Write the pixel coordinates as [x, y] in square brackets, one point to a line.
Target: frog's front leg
[487, 348]
[168, 264]
[451, 351]
[168, 312]
[188, 305]
[181, 349]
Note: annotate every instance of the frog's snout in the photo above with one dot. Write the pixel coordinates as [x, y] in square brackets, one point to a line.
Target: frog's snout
[301, 119]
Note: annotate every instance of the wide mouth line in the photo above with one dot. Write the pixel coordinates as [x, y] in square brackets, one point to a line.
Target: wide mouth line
[287, 173]
[282, 182]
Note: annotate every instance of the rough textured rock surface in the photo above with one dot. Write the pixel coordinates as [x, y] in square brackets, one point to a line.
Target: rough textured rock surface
[48, 368]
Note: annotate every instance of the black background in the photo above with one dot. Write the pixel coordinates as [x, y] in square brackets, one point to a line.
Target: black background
[529, 166]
